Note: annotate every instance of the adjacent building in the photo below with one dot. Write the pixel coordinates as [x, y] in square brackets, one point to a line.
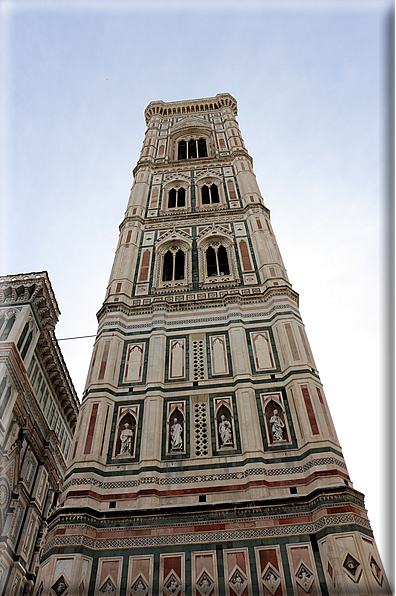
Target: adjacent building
[38, 414]
[205, 460]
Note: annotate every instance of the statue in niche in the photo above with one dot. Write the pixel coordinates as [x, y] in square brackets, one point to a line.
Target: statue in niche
[277, 426]
[176, 434]
[126, 439]
[225, 432]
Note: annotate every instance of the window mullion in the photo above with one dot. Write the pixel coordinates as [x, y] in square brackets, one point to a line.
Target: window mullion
[217, 261]
[174, 266]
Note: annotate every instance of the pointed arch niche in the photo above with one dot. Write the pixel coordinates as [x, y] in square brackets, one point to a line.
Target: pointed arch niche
[172, 263]
[175, 443]
[276, 426]
[130, 417]
[224, 434]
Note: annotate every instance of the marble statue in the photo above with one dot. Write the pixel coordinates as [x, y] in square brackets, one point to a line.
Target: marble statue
[277, 426]
[126, 439]
[225, 431]
[176, 436]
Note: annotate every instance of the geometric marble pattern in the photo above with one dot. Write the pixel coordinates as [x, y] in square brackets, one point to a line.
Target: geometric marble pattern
[108, 485]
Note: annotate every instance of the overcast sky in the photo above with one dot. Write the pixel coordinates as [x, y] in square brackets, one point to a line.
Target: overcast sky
[310, 82]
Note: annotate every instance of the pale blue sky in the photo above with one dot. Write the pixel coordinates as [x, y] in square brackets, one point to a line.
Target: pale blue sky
[309, 79]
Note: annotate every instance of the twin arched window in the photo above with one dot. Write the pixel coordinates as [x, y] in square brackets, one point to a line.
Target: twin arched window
[173, 268]
[192, 149]
[177, 198]
[217, 261]
[210, 194]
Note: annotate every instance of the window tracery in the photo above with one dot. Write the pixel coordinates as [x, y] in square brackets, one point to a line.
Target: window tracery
[176, 195]
[176, 198]
[173, 267]
[172, 264]
[217, 261]
[210, 192]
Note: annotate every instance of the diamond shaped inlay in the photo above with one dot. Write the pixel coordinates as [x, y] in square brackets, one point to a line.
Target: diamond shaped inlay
[352, 567]
[304, 577]
[139, 587]
[205, 584]
[376, 570]
[238, 581]
[60, 586]
[172, 585]
[108, 588]
[271, 578]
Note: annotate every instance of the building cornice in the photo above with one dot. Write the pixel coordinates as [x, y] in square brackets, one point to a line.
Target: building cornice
[190, 106]
[35, 290]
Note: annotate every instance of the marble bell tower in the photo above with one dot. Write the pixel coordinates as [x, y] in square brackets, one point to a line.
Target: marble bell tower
[205, 460]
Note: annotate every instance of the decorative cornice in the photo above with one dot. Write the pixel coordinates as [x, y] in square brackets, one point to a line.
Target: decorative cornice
[273, 508]
[190, 106]
[165, 303]
[34, 289]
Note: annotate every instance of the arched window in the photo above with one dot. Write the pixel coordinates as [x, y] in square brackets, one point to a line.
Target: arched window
[182, 152]
[217, 261]
[192, 149]
[210, 194]
[177, 198]
[202, 148]
[172, 198]
[7, 328]
[173, 268]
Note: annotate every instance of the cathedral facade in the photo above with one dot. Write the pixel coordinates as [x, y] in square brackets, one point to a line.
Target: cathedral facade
[38, 415]
[205, 460]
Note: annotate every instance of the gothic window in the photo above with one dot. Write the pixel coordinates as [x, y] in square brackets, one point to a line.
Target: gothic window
[202, 152]
[27, 345]
[217, 261]
[173, 268]
[7, 328]
[22, 340]
[23, 335]
[192, 149]
[210, 194]
[4, 398]
[177, 198]
[182, 153]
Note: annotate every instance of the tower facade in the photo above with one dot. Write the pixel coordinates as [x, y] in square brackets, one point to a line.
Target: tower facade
[205, 460]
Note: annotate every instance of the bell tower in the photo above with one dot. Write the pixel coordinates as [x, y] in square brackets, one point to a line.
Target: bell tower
[205, 460]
